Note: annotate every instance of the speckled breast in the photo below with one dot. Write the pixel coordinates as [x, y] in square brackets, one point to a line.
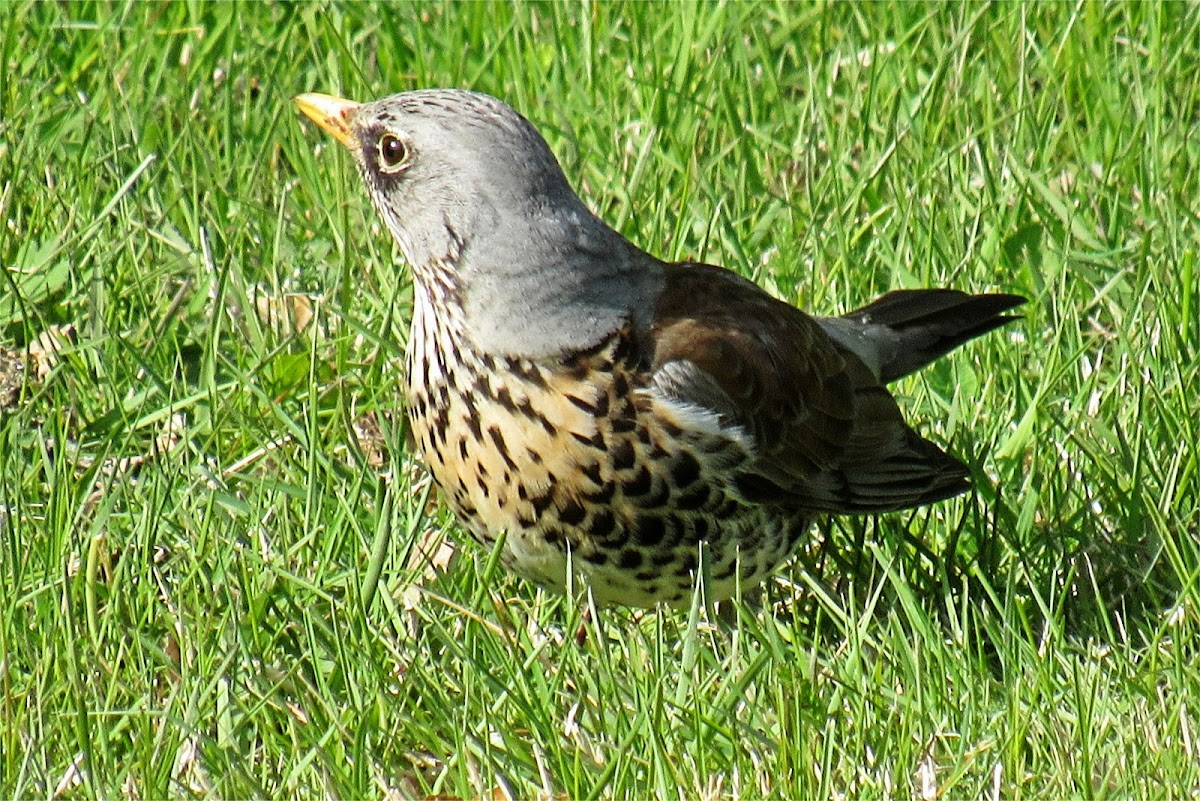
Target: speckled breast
[584, 470]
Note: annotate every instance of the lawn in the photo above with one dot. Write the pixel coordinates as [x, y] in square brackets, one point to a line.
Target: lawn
[222, 573]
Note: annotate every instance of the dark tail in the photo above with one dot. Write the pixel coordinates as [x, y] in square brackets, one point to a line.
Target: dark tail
[909, 328]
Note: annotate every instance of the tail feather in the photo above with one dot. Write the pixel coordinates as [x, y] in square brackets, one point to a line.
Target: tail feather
[907, 329]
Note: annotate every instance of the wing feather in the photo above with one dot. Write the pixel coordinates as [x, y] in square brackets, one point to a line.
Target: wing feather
[827, 436]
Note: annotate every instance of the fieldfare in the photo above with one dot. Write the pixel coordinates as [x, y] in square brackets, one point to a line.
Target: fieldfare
[634, 423]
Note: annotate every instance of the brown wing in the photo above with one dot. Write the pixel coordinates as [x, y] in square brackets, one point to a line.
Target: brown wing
[827, 435]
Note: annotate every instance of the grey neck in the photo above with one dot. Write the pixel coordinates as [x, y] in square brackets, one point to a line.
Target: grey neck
[564, 286]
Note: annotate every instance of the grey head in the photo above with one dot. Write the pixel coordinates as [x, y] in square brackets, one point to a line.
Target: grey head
[472, 192]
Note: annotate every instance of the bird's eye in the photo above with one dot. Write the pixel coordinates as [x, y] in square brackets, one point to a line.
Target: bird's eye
[393, 154]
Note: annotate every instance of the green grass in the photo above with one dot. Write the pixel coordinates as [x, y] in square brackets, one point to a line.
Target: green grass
[211, 585]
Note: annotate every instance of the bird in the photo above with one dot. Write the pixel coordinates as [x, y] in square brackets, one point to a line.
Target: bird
[611, 420]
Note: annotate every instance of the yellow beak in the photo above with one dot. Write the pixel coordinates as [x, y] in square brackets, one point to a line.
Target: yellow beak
[331, 113]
